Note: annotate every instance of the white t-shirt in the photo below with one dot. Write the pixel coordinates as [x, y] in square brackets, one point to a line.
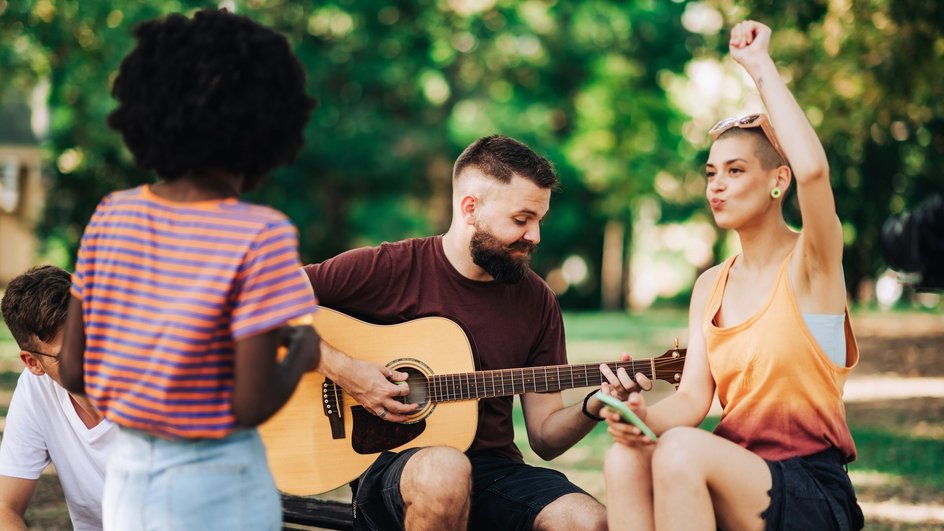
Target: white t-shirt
[43, 426]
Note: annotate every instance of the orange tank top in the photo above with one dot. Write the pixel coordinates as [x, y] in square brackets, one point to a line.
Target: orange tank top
[780, 393]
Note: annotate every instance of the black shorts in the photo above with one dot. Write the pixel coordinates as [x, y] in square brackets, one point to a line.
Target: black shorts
[812, 492]
[506, 494]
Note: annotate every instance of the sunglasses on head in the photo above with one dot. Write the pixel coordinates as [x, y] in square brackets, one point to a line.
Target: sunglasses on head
[749, 122]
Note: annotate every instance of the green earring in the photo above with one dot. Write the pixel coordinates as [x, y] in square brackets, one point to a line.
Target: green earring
[775, 193]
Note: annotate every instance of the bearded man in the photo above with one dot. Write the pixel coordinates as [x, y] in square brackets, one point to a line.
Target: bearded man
[477, 275]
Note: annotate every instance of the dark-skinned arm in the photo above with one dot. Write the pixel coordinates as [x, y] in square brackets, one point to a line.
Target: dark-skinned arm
[72, 355]
[264, 384]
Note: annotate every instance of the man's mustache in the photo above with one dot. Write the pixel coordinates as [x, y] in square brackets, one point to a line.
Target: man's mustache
[522, 245]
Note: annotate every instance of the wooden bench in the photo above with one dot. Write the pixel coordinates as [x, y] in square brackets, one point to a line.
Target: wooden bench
[299, 512]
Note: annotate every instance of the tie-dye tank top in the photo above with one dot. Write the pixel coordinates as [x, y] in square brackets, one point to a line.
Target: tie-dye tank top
[781, 395]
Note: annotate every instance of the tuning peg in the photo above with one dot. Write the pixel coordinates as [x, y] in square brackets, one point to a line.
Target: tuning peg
[676, 343]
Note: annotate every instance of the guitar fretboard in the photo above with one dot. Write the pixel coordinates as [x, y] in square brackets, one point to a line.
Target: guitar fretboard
[505, 382]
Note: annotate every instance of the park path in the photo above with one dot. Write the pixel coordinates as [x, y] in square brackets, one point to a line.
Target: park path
[899, 382]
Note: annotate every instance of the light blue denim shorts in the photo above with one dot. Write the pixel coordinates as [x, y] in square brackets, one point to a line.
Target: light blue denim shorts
[198, 484]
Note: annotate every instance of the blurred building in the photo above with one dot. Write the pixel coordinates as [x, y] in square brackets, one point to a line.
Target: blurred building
[21, 190]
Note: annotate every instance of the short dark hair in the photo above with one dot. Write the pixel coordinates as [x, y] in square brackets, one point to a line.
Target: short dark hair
[217, 91]
[502, 157]
[763, 149]
[36, 304]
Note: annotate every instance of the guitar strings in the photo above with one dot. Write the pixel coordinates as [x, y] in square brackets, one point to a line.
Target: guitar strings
[449, 387]
[476, 384]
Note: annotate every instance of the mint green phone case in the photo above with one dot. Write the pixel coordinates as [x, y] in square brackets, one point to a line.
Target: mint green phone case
[626, 413]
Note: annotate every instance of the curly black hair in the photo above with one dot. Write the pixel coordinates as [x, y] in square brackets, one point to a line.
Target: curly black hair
[215, 92]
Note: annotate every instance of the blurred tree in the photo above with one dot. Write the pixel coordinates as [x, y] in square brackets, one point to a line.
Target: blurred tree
[75, 48]
[403, 87]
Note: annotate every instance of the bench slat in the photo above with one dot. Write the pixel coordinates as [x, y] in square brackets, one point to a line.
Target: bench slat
[316, 512]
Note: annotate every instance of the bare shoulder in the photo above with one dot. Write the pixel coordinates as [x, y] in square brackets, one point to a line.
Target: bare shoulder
[702, 290]
[705, 281]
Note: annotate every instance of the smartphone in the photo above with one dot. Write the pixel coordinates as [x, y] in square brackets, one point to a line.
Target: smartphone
[626, 413]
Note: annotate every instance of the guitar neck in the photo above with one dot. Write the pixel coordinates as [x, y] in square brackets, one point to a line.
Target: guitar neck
[506, 382]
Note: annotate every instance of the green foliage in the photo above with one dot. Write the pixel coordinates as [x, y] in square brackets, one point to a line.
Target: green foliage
[868, 75]
[8, 379]
[8, 348]
[404, 86]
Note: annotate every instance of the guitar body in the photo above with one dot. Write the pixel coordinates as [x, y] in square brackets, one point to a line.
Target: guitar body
[322, 438]
[308, 455]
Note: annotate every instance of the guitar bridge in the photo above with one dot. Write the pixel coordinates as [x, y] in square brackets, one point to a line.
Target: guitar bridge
[333, 408]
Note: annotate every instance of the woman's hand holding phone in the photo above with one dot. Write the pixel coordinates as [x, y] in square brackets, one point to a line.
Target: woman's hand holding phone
[625, 425]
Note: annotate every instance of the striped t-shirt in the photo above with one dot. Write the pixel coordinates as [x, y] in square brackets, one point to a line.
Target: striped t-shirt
[167, 289]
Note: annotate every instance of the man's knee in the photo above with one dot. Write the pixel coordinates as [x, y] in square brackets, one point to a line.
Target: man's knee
[572, 511]
[439, 473]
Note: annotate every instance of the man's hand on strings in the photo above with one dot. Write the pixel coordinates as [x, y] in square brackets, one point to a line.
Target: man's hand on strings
[621, 383]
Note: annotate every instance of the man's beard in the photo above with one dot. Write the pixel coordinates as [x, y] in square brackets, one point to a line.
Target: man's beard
[496, 259]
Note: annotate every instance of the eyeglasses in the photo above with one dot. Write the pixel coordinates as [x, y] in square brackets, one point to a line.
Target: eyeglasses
[748, 122]
[55, 358]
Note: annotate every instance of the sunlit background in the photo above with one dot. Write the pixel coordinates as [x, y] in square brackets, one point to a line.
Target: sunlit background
[619, 95]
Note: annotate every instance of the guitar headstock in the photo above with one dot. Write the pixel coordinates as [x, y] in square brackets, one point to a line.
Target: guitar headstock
[669, 366]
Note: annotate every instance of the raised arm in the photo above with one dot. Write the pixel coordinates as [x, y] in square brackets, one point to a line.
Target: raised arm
[821, 243]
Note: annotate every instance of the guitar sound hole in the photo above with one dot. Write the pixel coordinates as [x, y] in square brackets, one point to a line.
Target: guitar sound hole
[419, 387]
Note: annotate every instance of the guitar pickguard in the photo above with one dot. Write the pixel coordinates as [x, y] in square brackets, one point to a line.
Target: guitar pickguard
[373, 435]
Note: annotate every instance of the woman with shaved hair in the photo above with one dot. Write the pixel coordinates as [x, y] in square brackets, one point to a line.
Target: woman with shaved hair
[769, 331]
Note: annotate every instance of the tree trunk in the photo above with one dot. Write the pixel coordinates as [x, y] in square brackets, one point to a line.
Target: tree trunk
[612, 270]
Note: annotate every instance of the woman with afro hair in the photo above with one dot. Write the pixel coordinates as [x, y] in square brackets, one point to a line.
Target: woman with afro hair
[182, 293]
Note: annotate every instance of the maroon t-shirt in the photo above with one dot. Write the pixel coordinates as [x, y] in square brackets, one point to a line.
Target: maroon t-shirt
[508, 325]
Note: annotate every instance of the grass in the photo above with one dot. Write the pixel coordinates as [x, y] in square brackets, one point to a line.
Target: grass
[8, 379]
[6, 338]
[602, 336]
[901, 454]
[621, 326]
[917, 460]
[7, 383]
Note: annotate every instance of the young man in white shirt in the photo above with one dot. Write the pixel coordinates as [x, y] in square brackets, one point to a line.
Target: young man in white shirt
[45, 423]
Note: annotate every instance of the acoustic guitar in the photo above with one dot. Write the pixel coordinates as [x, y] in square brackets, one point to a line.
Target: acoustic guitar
[322, 439]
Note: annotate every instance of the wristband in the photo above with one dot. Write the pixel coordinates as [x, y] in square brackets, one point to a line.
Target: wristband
[589, 415]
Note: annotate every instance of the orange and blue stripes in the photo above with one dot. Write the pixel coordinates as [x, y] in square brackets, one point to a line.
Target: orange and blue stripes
[167, 289]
